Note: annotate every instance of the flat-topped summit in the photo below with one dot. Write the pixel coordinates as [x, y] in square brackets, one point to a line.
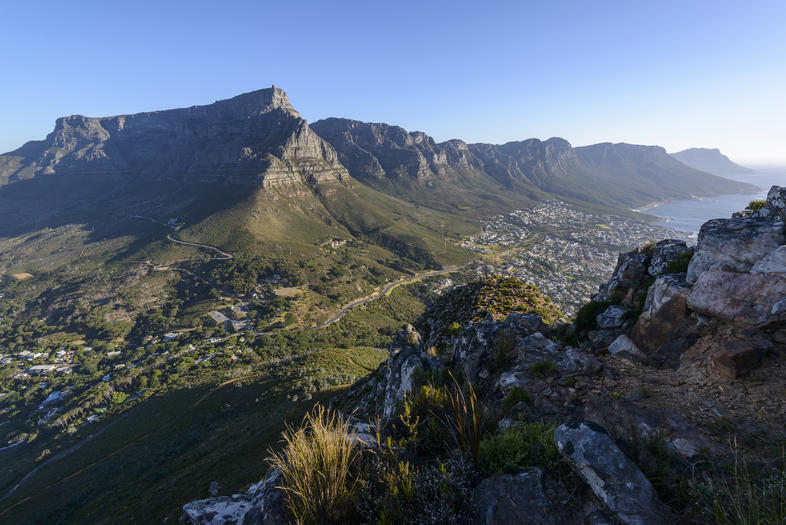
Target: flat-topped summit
[254, 138]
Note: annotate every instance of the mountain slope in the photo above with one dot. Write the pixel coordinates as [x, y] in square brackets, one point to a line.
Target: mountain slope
[414, 166]
[711, 161]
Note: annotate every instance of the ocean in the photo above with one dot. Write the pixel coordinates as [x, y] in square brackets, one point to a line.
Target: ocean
[688, 215]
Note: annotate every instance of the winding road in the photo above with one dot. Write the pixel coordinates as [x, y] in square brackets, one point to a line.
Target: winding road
[224, 255]
[387, 290]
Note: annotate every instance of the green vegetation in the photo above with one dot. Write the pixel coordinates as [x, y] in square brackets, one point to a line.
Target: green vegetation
[517, 395]
[585, 318]
[681, 264]
[543, 368]
[520, 446]
[493, 296]
[756, 205]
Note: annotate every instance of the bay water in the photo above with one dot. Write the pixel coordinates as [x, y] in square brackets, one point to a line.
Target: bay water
[688, 215]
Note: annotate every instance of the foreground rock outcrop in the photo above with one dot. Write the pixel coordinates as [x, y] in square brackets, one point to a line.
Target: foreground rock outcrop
[595, 422]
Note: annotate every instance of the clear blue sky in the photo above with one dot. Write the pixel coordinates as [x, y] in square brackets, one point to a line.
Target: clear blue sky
[678, 74]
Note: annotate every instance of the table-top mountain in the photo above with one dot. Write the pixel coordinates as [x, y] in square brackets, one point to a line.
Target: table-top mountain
[256, 138]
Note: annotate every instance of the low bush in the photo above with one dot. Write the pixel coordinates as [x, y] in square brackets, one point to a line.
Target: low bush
[520, 446]
[756, 205]
[542, 368]
[585, 318]
[745, 494]
[682, 262]
[396, 492]
[518, 395]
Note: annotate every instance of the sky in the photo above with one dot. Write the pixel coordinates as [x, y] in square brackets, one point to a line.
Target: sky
[676, 74]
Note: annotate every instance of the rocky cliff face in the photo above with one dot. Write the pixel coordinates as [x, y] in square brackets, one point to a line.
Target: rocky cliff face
[256, 138]
[373, 151]
[617, 174]
[729, 292]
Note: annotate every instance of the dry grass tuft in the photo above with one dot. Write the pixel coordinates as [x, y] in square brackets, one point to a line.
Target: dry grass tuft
[315, 464]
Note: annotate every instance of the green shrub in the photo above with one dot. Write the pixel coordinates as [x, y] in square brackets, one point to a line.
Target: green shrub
[681, 264]
[518, 395]
[520, 446]
[585, 318]
[505, 350]
[641, 296]
[756, 205]
[454, 329]
[422, 421]
[396, 492]
[315, 466]
[542, 368]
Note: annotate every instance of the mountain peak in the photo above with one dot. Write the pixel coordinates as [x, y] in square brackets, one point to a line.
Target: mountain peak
[259, 102]
[710, 160]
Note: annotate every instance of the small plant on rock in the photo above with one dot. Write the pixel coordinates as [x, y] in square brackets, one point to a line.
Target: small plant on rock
[520, 446]
[585, 318]
[543, 368]
[517, 395]
[756, 205]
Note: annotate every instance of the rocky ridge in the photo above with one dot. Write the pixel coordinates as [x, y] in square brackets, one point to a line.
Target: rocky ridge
[619, 174]
[659, 400]
[255, 139]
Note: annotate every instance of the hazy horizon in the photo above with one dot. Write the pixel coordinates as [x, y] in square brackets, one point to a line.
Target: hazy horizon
[704, 74]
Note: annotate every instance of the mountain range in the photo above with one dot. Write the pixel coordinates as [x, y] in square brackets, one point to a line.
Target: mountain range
[258, 139]
[250, 175]
[711, 161]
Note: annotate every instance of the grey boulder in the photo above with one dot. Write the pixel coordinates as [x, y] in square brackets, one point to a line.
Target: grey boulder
[616, 480]
[508, 499]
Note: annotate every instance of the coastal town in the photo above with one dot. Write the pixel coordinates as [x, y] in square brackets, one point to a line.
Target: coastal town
[564, 251]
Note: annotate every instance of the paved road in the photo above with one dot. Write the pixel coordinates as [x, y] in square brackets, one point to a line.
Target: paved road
[386, 291]
[224, 255]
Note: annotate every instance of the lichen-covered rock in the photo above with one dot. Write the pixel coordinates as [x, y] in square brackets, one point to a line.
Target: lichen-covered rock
[268, 506]
[734, 245]
[600, 339]
[664, 320]
[623, 346]
[631, 425]
[508, 499]
[401, 371]
[627, 278]
[737, 297]
[773, 262]
[612, 476]
[613, 317]
[776, 201]
[263, 504]
[665, 253]
[226, 510]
